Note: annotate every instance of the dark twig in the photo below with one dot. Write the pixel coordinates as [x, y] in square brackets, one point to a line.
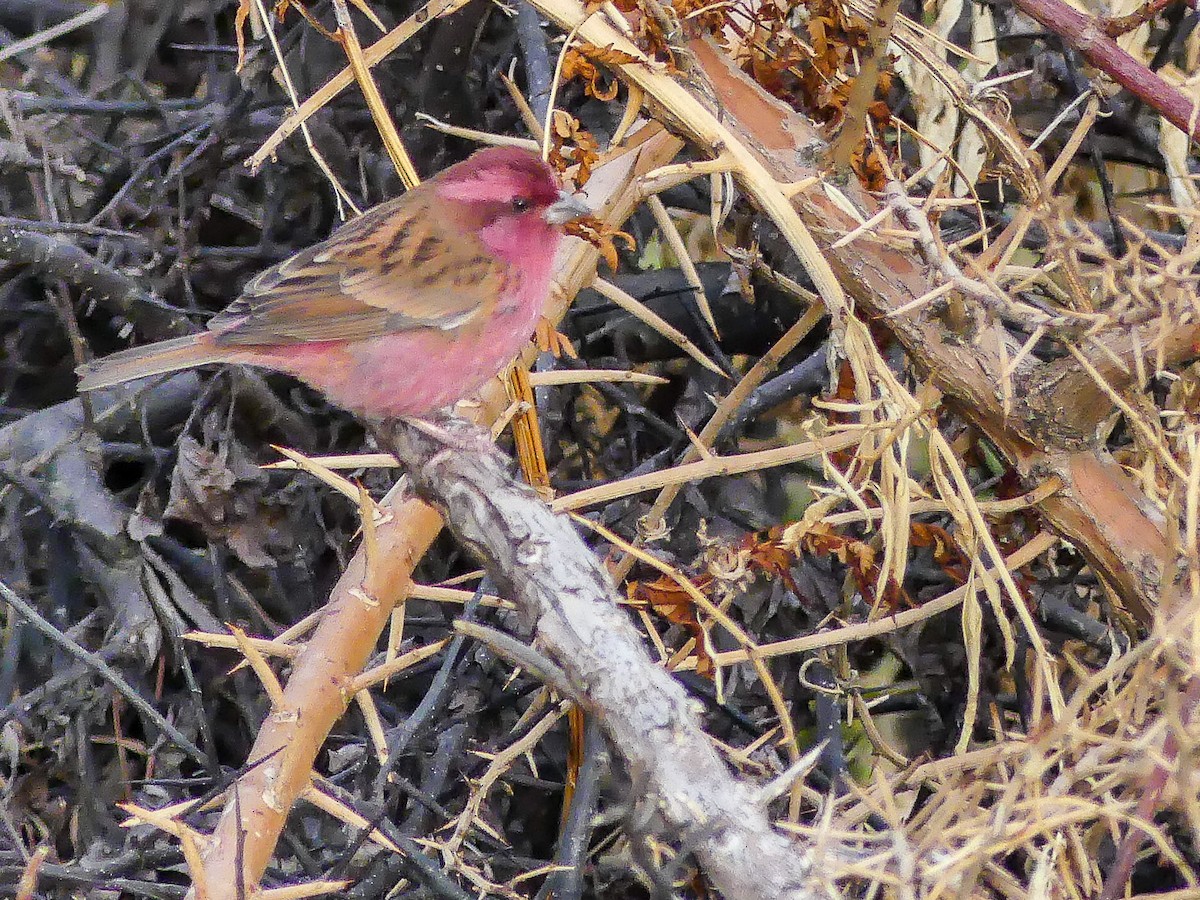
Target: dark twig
[399, 738]
[567, 883]
[101, 668]
[1092, 148]
[27, 102]
[192, 136]
[521, 655]
[58, 259]
[539, 70]
[806, 376]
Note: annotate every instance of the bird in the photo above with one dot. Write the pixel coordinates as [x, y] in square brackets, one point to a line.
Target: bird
[403, 311]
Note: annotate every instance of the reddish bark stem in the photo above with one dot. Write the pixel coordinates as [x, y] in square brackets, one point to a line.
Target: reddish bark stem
[1087, 35]
[1115, 26]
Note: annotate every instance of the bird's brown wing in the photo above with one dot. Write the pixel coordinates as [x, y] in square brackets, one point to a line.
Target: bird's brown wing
[397, 267]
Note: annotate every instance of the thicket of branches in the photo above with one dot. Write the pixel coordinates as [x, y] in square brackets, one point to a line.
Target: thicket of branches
[895, 460]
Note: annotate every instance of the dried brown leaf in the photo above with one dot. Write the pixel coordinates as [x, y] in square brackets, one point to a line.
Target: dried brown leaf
[667, 598]
[550, 339]
[220, 492]
[600, 236]
[572, 144]
[239, 29]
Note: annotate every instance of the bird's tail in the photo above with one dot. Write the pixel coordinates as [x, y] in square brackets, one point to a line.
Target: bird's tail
[153, 359]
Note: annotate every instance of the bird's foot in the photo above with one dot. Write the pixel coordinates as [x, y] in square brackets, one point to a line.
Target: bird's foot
[455, 433]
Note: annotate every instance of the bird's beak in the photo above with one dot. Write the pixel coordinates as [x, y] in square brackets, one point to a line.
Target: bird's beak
[566, 208]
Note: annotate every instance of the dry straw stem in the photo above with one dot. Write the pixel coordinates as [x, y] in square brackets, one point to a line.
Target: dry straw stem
[383, 120]
[527, 433]
[321, 888]
[499, 766]
[879, 278]
[675, 478]
[1099, 508]
[929, 51]
[674, 240]
[986, 109]
[767, 188]
[1087, 774]
[320, 686]
[340, 192]
[593, 376]
[886, 625]
[643, 313]
[82, 20]
[713, 467]
[682, 106]
[370, 56]
[720, 617]
[341, 811]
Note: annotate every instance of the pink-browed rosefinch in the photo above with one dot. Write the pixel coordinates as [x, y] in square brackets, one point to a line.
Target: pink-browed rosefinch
[407, 309]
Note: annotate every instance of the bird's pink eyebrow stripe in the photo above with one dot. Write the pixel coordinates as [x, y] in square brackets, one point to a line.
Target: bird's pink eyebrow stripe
[497, 186]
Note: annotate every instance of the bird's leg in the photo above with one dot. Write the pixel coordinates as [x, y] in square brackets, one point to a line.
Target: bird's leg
[455, 433]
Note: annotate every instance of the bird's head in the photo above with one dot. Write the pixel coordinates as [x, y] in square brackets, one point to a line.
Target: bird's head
[510, 196]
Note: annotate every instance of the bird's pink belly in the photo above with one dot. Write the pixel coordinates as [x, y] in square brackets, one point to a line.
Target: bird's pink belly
[405, 374]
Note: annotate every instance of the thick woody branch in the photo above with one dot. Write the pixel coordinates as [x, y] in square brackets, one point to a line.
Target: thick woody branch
[570, 604]
[1122, 535]
[1098, 506]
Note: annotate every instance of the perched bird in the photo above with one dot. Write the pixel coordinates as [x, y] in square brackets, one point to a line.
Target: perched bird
[407, 309]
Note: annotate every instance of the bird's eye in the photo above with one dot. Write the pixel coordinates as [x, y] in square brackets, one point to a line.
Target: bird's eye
[520, 204]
